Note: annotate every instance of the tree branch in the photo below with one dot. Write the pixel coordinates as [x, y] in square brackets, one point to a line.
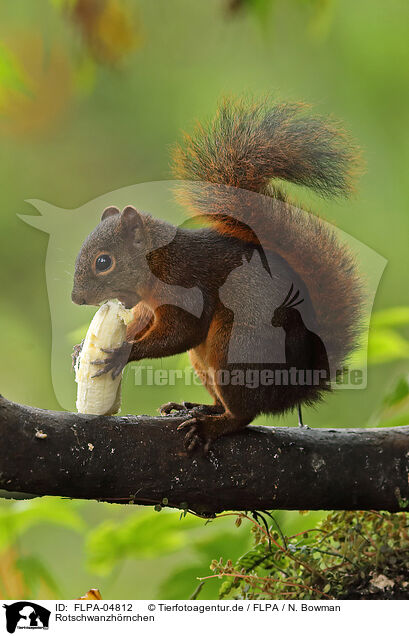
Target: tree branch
[142, 459]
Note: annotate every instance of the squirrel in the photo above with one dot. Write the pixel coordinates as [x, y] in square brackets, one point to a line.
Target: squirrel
[227, 173]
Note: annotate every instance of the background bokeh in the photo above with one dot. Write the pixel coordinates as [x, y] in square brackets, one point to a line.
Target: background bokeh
[93, 93]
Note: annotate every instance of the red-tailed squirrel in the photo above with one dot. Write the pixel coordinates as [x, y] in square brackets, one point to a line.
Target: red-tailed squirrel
[253, 253]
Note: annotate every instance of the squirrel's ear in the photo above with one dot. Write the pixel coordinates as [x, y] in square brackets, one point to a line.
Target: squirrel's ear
[111, 211]
[131, 220]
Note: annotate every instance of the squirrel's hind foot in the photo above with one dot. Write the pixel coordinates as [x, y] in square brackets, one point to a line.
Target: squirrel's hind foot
[203, 429]
[198, 433]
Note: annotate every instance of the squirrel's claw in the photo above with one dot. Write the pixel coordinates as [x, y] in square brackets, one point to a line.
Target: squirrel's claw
[192, 438]
[76, 350]
[115, 361]
[187, 424]
[167, 408]
[195, 435]
[106, 368]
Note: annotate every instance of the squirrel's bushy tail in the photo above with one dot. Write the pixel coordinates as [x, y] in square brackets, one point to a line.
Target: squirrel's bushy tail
[247, 146]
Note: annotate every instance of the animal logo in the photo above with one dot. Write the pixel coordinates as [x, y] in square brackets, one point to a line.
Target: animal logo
[26, 615]
[304, 349]
[305, 352]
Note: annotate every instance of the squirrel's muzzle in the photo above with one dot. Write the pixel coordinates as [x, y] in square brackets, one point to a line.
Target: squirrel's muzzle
[78, 298]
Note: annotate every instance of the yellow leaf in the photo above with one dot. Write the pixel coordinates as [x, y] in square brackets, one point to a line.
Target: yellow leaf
[47, 91]
[92, 595]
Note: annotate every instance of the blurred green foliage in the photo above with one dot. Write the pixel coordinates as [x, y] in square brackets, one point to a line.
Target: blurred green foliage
[171, 548]
[11, 74]
[24, 575]
[90, 101]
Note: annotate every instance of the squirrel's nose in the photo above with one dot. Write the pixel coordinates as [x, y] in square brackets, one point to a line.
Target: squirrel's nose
[77, 298]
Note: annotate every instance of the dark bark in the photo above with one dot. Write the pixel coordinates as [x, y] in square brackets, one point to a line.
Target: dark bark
[142, 459]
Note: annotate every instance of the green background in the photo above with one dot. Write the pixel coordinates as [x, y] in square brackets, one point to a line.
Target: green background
[76, 123]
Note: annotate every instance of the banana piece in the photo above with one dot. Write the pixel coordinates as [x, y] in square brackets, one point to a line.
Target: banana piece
[101, 395]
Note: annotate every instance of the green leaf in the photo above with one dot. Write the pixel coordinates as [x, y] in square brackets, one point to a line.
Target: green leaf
[227, 545]
[386, 345]
[19, 516]
[394, 410]
[34, 573]
[12, 75]
[85, 76]
[261, 8]
[63, 4]
[227, 587]
[401, 419]
[181, 583]
[399, 392]
[143, 536]
[390, 317]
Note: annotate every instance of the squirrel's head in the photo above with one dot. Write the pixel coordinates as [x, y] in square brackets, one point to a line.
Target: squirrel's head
[112, 260]
[285, 315]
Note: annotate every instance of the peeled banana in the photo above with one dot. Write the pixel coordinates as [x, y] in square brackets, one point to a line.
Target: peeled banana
[101, 395]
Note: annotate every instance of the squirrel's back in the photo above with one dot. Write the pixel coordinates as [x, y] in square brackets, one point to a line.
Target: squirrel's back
[227, 170]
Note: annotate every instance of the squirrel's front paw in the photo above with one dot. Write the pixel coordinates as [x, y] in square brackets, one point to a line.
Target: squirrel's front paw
[115, 360]
[76, 350]
[166, 409]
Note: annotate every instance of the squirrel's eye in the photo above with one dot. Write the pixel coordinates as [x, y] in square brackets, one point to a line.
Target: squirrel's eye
[103, 263]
